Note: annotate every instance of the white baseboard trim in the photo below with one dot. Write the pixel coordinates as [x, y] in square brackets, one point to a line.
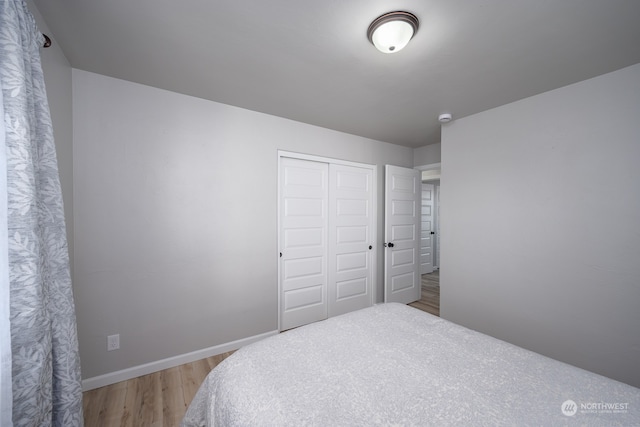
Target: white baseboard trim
[149, 368]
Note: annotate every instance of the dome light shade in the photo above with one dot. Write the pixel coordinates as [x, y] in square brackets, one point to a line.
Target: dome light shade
[392, 31]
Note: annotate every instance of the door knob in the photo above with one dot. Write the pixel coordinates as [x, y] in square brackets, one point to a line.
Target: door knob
[391, 245]
[433, 232]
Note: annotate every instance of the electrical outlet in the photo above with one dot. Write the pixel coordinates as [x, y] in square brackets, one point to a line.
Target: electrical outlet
[113, 342]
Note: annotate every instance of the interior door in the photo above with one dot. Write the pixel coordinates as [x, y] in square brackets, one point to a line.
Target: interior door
[350, 238]
[426, 229]
[437, 221]
[303, 227]
[402, 234]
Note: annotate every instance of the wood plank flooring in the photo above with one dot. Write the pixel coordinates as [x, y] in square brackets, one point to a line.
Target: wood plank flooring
[155, 400]
[430, 300]
[161, 399]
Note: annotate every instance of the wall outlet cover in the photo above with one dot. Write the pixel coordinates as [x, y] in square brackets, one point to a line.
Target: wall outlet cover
[113, 342]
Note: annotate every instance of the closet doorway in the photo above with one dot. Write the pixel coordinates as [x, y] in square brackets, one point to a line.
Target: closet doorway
[326, 237]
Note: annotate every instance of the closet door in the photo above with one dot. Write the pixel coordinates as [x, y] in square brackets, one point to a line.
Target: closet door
[350, 238]
[303, 227]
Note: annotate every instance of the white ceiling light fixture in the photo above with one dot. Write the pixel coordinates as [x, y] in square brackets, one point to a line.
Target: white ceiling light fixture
[392, 31]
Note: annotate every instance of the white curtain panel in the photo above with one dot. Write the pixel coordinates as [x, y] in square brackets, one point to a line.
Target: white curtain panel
[44, 346]
[6, 396]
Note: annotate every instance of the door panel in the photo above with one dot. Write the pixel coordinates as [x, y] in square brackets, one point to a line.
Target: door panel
[349, 288]
[403, 257]
[402, 282]
[402, 234]
[350, 238]
[304, 199]
[301, 298]
[426, 227]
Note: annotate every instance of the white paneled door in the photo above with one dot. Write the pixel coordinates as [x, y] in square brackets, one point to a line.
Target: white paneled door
[402, 234]
[350, 238]
[304, 200]
[437, 221]
[326, 237]
[427, 231]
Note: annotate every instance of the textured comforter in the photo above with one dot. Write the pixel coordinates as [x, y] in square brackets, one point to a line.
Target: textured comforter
[394, 365]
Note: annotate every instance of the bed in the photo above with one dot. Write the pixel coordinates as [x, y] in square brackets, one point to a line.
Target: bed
[391, 364]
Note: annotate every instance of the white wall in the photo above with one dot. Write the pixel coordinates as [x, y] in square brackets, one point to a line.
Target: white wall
[175, 218]
[541, 223]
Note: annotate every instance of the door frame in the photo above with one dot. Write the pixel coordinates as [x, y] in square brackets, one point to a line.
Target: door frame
[431, 166]
[374, 231]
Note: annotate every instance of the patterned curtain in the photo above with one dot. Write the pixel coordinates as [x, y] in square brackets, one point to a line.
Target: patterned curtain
[44, 346]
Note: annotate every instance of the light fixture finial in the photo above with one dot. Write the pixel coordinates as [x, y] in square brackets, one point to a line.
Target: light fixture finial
[392, 31]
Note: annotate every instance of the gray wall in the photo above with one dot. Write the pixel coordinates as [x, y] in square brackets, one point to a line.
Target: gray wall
[427, 155]
[540, 223]
[175, 218]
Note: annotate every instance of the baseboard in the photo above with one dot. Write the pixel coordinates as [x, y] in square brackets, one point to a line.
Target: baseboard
[149, 368]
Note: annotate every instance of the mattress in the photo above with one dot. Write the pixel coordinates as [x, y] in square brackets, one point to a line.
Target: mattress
[391, 364]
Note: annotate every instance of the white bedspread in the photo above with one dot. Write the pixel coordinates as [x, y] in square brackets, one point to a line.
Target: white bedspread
[394, 365]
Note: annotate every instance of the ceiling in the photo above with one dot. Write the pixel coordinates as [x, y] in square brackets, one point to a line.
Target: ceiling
[310, 60]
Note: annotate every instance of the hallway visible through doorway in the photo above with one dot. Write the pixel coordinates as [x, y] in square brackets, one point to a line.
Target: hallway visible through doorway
[430, 297]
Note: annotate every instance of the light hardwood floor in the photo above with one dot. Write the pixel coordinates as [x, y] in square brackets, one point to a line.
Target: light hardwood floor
[430, 299]
[155, 400]
[161, 399]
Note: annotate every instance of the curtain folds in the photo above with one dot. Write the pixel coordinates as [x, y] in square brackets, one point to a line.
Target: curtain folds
[6, 395]
[44, 348]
